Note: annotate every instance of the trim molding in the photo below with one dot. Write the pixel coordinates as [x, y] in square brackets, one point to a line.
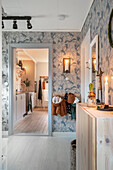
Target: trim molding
[11, 79]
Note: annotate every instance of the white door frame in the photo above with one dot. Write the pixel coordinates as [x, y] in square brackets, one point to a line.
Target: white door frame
[12, 76]
[0, 86]
[94, 41]
[85, 72]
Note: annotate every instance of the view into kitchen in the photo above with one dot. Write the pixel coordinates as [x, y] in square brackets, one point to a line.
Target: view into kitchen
[31, 110]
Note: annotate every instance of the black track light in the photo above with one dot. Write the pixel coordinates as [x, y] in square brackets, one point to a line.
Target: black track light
[15, 24]
[2, 25]
[29, 26]
[15, 19]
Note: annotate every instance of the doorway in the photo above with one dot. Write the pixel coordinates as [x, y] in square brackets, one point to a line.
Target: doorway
[30, 89]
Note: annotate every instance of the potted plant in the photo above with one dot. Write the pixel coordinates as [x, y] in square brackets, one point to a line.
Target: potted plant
[27, 83]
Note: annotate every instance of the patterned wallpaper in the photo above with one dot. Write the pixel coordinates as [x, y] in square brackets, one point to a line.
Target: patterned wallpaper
[97, 20]
[64, 45]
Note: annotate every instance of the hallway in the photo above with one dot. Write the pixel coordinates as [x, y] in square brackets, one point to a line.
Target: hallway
[39, 153]
[36, 122]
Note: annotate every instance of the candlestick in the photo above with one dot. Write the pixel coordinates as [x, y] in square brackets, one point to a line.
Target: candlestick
[106, 90]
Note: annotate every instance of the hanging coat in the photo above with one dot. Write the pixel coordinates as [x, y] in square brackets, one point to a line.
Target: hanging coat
[30, 103]
[40, 91]
[59, 108]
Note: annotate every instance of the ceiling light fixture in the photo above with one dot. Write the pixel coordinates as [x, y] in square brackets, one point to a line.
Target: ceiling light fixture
[29, 26]
[15, 18]
[15, 24]
[2, 25]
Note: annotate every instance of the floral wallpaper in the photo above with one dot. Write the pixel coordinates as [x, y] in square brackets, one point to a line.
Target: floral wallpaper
[97, 20]
[65, 44]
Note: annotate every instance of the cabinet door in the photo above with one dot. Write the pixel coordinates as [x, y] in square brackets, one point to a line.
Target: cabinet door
[19, 106]
[23, 104]
[105, 143]
[15, 111]
[85, 136]
[32, 98]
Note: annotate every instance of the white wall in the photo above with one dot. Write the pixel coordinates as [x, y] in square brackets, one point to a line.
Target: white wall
[85, 72]
[0, 84]
[41, 70]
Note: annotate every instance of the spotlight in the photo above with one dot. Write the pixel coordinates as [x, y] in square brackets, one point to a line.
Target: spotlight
[2, 25]
[29, 26]
[15, 24]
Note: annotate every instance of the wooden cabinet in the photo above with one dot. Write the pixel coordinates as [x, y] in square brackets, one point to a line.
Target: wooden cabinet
[94, 135]
[20, 106]
[23, 101]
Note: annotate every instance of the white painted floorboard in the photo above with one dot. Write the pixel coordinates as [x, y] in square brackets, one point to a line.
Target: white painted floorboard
[39, 153]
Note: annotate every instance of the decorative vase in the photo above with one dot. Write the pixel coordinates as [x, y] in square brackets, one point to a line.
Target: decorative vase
[91, 101]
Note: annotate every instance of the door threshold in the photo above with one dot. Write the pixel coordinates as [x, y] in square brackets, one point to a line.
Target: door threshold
[31, 134]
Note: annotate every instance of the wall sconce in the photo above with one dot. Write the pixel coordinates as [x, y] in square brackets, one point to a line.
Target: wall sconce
[66, 65]
[93, 65]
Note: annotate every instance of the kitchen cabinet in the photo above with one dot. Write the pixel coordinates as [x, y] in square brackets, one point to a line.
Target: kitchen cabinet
[20, 106]
[23, 99]
[94, 139]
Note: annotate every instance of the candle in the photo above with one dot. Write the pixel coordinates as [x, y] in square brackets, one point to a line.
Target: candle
[94, 64]
[106, 90]
[66, 65]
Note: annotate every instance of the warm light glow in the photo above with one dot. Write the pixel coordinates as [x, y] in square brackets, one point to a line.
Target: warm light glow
[94, 61]
[66, 61]
[106, 79]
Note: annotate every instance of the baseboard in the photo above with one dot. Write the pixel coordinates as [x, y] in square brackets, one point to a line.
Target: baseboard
[64, 134]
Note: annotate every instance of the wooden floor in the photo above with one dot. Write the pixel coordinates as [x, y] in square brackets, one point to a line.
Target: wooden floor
[36, 122]
[39, 153]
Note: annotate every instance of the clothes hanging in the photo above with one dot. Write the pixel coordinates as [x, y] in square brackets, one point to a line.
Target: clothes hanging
[43, 85]
[40, 91]
[30, 103]
[73, 111]
[59, 108]
[71, 98]
[68, 105]
[27, 102]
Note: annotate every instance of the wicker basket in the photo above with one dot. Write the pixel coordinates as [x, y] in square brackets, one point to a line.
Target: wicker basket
[73, 155]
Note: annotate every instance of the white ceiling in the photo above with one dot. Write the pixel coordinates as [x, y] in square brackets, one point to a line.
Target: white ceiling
[45, 13]
[37, 55]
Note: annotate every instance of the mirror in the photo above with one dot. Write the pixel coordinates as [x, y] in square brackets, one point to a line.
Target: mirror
[94, 67]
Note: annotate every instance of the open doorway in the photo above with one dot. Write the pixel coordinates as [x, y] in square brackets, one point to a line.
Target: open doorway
[30, 111]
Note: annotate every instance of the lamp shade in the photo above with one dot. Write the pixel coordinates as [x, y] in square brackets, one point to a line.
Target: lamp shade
[66, 65]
